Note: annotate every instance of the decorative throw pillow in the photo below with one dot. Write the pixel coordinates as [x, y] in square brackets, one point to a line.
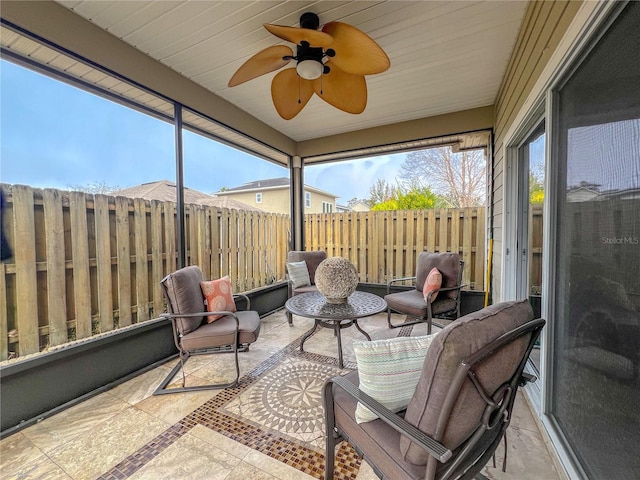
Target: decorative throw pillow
[298, 274]
[389, 371]
[433, 282]
[219, 297]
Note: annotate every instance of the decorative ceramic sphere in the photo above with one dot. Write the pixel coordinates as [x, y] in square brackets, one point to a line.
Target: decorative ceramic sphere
[336, 279]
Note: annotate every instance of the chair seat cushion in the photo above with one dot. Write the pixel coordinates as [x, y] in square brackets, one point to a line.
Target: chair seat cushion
[412, 302]
[377, 441]
[221, 332]
[308, 288]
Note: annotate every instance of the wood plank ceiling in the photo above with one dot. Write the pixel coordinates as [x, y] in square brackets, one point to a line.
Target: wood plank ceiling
[445, 56]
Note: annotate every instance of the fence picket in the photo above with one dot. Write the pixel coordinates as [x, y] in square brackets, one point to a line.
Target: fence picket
[396, 226]
[25, 259]
[467, 250]
[157, 272]
[80, 254]
[454, 239]
[103, 264]
[215, 243]
[411, 246]
[141, 260]
[56, 270]
[4, 318]
[233, 248]
[170, 239]
[430, 244]
[225, 248]
[124, 261]
[199, 242]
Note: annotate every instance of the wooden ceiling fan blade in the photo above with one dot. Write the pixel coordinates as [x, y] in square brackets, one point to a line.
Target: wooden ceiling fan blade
[290, 93]
[345, 91]
[296, 35]
[265, 61]
[356, 52]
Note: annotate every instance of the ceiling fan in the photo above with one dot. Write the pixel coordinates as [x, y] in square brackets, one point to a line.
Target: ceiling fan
[331, 63]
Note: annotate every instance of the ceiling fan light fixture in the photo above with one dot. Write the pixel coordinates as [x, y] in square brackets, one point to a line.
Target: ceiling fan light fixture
[310, 69]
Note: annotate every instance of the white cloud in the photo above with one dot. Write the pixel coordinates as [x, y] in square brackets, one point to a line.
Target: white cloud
[353, 178]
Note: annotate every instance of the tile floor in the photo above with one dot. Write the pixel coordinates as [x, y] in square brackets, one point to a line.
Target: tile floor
[267, 428]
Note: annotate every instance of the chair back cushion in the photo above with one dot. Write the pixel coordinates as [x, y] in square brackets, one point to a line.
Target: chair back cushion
[313, 259]
[184, 295]
[448, 349]
[447, 263]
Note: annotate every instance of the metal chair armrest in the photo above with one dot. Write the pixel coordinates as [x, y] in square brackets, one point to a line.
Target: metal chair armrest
[395, 280]
[173, 316]
[245, 298]
[526, 378]
[433, 447]
[447, 289]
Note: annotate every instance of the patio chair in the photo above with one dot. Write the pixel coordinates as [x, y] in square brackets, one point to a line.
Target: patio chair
[421, 305]
[303, 283]
[232, 332]
[460, 409]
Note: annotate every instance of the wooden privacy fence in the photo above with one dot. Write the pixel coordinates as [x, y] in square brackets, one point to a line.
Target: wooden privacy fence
[385, 245]
[86, 264]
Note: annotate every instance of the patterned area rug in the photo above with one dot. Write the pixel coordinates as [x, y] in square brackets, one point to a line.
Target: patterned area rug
[276, 409]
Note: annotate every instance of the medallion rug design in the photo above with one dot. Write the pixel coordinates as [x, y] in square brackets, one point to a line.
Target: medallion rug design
[276, 409]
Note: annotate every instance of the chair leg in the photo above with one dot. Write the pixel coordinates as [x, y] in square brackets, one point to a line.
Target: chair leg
[405, 324]
[331, 435]
[329, 458]
[289, 318]
[163, 390]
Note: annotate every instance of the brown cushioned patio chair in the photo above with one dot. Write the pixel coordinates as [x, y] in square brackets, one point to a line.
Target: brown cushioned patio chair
[312, 259]
[460, 409]
[412, 302]
[194, 336]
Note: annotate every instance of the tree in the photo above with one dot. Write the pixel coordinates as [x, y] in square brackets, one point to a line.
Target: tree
[94, 188]
[459, 178]
[536, 190]
[380, 192]
[415, 198]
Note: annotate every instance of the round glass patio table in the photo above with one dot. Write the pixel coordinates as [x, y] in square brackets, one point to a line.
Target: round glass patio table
[335, 316]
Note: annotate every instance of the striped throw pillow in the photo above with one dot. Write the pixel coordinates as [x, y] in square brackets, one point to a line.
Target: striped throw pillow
[298, 274]
[389, 371]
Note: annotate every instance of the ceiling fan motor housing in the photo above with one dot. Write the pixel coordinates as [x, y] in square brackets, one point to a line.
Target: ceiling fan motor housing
[309, 20]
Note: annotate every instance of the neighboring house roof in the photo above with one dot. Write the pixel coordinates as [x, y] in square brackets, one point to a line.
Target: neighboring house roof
[627, 194]
[582, 194]
[269, 184]
[165, 191]
[360, 207]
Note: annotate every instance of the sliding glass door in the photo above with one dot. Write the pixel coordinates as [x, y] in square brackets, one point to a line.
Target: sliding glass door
[595, 386]
[531, 166]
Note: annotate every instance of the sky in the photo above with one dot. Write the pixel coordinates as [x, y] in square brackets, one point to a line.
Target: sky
[53, 135]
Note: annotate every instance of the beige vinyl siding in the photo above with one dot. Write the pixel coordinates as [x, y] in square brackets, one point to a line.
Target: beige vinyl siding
[316, 202]
[277, 200]
[542, 29]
